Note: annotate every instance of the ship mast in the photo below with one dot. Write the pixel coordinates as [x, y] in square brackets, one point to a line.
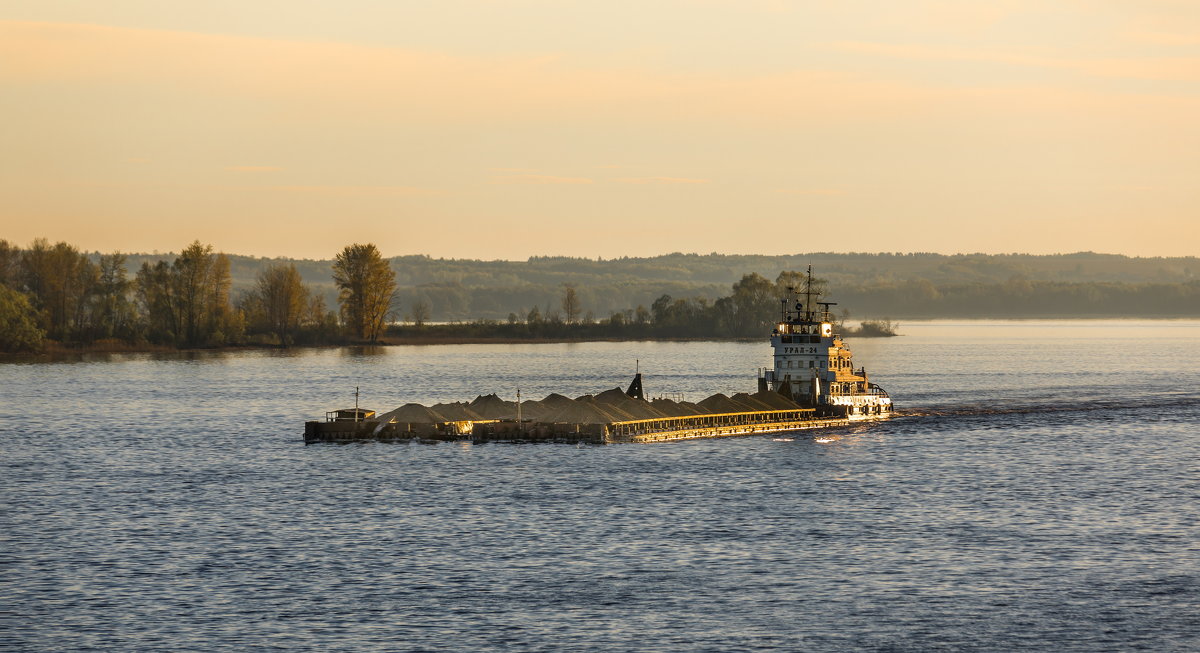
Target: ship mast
[808, 293]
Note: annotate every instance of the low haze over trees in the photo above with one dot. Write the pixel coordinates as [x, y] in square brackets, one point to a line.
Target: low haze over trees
[201, 298]
[871, 285]
[749, 311]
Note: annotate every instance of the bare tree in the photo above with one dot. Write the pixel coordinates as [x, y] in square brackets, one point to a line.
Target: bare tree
[420, 312]
[570, 303]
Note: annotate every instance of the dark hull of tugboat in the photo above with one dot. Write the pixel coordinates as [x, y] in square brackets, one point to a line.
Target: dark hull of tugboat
[856, 413]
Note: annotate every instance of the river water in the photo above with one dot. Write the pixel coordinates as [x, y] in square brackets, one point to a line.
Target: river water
[1041, 490]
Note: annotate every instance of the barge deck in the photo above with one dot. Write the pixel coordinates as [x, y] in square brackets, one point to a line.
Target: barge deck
[663, 429]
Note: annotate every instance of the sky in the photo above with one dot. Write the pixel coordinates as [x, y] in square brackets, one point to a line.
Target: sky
[503, 129]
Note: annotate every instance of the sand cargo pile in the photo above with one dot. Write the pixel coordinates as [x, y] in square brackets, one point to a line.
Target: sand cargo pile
[610, 417]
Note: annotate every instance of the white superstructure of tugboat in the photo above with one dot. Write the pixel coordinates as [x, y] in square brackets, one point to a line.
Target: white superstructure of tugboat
[814, 368]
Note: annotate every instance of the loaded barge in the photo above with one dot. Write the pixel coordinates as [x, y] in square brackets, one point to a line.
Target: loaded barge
[659, 429]
[813, 385]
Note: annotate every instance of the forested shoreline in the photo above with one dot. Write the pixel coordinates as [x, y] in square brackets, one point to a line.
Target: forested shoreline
[54, 295]
[902, 286]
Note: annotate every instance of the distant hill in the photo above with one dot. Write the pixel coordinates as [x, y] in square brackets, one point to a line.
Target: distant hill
[869, 285]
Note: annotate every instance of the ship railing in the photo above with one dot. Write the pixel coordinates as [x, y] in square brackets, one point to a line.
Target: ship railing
[872, 390]
[715, 420]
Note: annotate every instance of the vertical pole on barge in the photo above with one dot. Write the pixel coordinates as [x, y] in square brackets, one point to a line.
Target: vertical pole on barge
[355, 403]
[520, 424]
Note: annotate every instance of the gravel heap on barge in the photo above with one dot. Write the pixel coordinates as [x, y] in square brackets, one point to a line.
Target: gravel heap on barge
[813, 385]
[608, 417]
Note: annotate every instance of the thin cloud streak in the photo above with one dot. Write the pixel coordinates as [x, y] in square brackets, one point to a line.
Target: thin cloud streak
[297, 82]
[1165, 38]
[1145, 68]
[302, 81]
[660, 180]
[540, 180]
[811, 191]
[355, 190]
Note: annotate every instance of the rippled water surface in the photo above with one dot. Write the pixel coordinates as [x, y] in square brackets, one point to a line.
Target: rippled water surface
[1041, 491]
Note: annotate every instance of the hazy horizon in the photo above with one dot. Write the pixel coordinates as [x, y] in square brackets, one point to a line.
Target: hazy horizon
[333, 254]
[504, 129]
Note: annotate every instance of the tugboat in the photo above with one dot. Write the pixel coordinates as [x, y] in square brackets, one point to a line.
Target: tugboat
[815, 369]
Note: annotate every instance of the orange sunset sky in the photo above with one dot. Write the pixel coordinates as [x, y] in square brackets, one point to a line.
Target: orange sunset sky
[510, 128]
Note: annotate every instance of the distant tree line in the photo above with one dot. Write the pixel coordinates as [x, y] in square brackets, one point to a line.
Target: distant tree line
[201, 298]
[1021, 297]
[465, 289]
[753, 306]
[56, 293]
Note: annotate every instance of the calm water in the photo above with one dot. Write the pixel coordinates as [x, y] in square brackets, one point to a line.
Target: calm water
[1042, 492]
